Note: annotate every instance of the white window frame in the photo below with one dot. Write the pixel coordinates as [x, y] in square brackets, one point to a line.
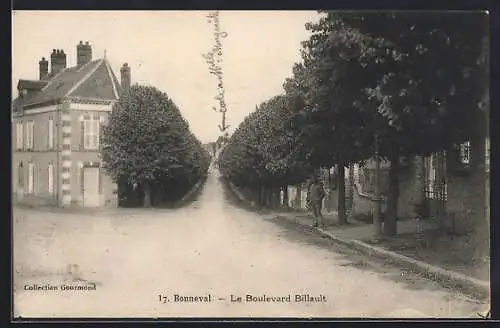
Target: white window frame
[431, 174]
[431, 170]
[31, 178]
[50, 176]
[51, 133]
[91, 131]
[30, 135]
[19, 135]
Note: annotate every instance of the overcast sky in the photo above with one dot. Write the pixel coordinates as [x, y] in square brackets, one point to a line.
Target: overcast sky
[164, 49]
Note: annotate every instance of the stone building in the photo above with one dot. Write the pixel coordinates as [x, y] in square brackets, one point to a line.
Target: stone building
[452, 183]
[56, 126]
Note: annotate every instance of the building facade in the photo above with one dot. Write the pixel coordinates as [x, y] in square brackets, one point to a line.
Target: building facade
[56, 126]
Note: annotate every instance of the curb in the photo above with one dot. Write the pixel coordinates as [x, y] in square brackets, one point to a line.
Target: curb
[472, 286]
[238, 194]
[469, 285]
[194, 190]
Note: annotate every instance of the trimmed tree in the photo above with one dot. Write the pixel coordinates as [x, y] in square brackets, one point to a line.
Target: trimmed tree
[432, 84]
[335, 129]
[411, 79]
[147, 143]
[259, 155]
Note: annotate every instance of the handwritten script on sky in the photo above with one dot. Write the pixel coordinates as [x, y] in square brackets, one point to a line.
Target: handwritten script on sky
[165, 49]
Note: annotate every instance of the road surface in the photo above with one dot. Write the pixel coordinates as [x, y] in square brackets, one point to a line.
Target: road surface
[140, 259]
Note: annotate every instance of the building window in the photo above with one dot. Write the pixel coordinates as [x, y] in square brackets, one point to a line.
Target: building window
[30, 128]
[31, 174]
[435, 184]
[51, 178]
[465, 153]
[51, 132]
[19, 135]
[91, 129]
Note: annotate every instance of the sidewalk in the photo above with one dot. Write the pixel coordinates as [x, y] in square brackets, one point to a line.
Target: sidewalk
[359, 236]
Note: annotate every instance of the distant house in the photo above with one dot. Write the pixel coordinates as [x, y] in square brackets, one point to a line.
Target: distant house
[57, 123]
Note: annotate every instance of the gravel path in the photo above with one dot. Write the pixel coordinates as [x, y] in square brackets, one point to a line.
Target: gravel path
[138, 260]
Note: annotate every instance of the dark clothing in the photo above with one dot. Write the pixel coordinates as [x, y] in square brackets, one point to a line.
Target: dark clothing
[317, 207]
[317, 192]
[316, 195]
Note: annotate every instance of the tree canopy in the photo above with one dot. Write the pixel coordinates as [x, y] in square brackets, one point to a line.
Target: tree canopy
[413, 81]
[147, 140]
[261, 150]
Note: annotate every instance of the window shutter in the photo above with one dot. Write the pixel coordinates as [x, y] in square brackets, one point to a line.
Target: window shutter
[30, 178]
[80, 176]
[99, 132]
[31, 126]
[95, 131]
[27, 136]
[35, 180]
[51, 133]
[82, 134]
[50, 178]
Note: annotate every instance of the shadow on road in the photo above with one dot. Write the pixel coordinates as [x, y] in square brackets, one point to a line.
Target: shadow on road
[231, 198]
[308, 236]
[352, 258]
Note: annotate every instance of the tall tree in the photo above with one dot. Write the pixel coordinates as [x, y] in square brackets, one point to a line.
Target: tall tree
[431, 86]
[146, 142]
[260, 153]
[338, 128]
[415, 86]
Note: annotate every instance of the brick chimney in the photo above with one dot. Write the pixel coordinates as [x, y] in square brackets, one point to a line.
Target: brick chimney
[57, 61]
[83, 53]
[125, 76]
[44, 68]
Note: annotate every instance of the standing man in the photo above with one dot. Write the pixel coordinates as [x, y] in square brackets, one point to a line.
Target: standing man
[317, 193]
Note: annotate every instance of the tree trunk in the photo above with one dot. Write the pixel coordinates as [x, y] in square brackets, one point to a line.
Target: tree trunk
[261, 196]
[350, 190]
[441, 181]
[285, 197]
[147, 194]
[267, 196]
[421, 179]
[390, 219]
[376, 214]
[272, 197]
[341, 194]
[277, 197]
[298, 197]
